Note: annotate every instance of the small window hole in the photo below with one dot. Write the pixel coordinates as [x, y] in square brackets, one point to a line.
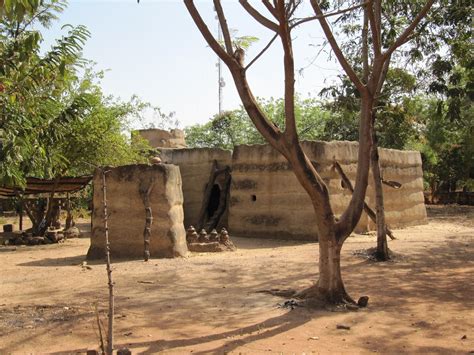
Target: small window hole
[253, 198]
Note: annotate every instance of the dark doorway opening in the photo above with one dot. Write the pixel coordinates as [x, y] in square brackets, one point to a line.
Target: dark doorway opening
[214, 199]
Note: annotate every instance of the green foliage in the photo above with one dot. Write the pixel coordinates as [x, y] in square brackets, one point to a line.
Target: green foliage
[235, 127]
[223, 131]
[243, 42]
[54, 120]
[426, 101]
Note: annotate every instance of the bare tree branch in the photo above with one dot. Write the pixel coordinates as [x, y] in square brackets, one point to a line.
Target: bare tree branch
[224, 27]
[270, 8]
[206, 33]
[270, 132]
[402, 38]
[383, 75]
[258, 16]
[348, 185]
[375, 29]
[365, 46]
[291, 9]
[337, 50]
[261, 52]
[334, 13]
[378, 15]
[289, 67]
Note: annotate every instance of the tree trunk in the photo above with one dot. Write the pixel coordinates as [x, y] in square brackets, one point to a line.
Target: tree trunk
[330, 287]
[69, 218]
[330, 281]
[49, 210]
[35, 209]
[382, 253]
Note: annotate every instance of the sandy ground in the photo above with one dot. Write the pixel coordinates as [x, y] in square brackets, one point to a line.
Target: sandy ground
[208, 303]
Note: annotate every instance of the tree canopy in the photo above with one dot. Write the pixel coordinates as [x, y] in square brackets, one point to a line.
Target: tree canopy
[426, 102]
[55, 119]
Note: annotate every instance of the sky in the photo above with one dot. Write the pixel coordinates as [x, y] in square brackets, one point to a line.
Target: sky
[154, 50]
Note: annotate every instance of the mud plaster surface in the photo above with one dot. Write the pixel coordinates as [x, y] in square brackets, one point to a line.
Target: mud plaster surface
[208, 304]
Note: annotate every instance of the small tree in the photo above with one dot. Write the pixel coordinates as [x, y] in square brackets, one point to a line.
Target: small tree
[332, 232]
[54, 121]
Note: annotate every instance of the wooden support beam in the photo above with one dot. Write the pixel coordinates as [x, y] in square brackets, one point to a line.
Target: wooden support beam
[348, 185]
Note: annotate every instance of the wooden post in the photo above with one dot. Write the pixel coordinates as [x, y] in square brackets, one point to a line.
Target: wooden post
[367, 209]
[110, 334]
[69, 219]
[21, 213]
[144, 190]
[147, 232]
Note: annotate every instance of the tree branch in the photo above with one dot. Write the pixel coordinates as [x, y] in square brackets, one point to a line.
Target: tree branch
[348, 185]
[374, 21]
[270, 132]
[317, 17]
[224, 27]
[211, 41]
[289, 67]
[383, 75]
[337, 50]
[290, 10]
[365, 46]
[270, 8]
[258, 16]
[402, 38]
[261, 52]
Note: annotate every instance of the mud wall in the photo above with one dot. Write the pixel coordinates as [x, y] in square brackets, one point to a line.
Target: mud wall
[195, 166]
[268, 201]
[159, 138]
[126, 186]
[405, 206]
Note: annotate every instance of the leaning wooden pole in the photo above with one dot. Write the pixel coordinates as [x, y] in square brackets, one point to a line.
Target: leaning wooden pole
[382, 253]
[348, 185]
[110, 334]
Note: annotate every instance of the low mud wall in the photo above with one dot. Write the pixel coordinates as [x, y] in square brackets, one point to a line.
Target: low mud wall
[405, 206]
[268, 201]
[126, 188]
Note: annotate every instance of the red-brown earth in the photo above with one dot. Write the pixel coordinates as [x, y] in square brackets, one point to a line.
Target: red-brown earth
[423, 301]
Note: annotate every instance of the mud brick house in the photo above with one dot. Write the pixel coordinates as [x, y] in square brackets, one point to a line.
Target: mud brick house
[251, 191]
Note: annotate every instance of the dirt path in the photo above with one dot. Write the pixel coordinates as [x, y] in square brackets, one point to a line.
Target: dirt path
[209, 304]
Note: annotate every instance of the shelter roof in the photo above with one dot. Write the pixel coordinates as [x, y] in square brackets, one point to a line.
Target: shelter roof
[36, 186]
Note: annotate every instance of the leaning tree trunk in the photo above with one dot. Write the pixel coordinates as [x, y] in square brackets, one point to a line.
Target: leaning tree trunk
[382, 253]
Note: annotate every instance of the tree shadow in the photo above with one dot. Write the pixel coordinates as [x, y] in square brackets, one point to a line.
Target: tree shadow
[438, 274]
[259, 243]
[258, 331]
[51, 262]
[432, 274]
